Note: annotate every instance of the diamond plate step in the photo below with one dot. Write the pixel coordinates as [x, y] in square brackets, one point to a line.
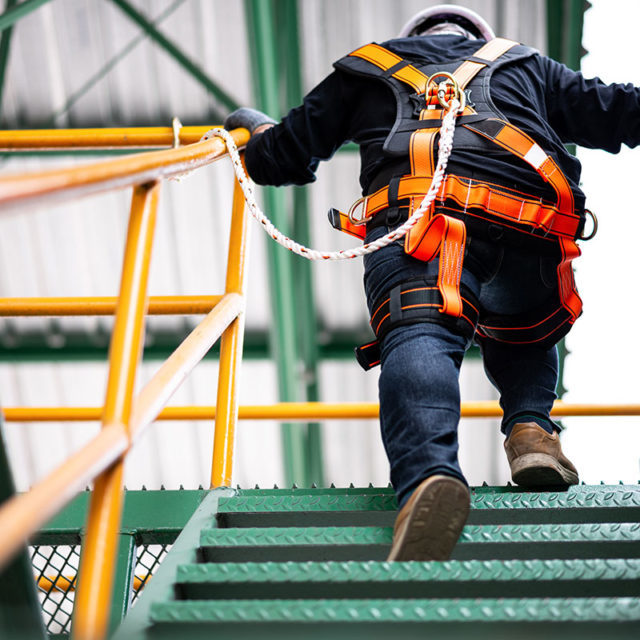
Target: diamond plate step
[377, 507]
[468, 579]
[610, 540]
[399, 611]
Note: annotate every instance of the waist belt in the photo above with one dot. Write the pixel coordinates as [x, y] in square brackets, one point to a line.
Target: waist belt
[502, 203]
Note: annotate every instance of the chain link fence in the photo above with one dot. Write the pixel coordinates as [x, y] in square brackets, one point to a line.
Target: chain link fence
[55, 569]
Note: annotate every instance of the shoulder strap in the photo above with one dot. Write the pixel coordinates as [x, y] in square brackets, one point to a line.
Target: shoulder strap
[397, 67]
[484, 56]
[394, 66]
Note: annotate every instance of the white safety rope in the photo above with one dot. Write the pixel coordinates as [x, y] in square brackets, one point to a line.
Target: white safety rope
[444, 151]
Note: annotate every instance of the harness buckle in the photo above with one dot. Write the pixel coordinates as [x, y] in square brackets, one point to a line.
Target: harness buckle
[594, 221]
[450, 81]
[359, 204]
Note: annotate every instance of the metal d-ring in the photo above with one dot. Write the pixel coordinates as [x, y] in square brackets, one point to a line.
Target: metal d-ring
[594, 220]
[360, 202]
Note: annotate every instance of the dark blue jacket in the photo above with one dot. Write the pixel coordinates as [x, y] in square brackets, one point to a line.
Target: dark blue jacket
[554, 105]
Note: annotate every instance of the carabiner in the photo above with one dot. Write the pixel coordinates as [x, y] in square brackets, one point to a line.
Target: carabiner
[450, 81]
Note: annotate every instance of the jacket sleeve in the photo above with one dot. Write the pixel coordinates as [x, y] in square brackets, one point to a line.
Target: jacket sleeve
[289, 152]
[588, 112]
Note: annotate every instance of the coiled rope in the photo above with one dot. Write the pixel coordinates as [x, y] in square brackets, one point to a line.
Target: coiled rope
[445, 147]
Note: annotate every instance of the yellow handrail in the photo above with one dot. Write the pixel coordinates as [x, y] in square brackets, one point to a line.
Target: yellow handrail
[115, 138]
[123, 417]
[103, 306]
[306, 411]
[58, 185]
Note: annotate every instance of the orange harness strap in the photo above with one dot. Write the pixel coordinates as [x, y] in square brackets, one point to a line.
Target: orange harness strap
[447, 236]
[385, 59]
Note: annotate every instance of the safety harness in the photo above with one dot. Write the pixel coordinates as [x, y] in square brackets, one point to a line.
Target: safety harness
[422, 93]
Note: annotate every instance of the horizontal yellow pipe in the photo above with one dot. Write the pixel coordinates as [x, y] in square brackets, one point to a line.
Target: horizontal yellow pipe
[131, 137]
[64, 584]
[104, 306]
[57, 185]
[296, 411]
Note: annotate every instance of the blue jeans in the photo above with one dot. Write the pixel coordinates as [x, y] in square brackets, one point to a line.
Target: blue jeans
[419, 381]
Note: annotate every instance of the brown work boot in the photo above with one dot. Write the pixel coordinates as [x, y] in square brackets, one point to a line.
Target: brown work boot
[536, 457]
[430, 523]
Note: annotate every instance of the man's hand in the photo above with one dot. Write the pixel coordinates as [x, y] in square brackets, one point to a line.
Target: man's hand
[250, 119]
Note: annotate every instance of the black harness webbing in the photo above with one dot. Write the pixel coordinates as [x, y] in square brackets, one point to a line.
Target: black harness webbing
[411, 302]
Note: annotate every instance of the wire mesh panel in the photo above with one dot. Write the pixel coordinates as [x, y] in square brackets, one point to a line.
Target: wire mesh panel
[55, 569]
[149, 557]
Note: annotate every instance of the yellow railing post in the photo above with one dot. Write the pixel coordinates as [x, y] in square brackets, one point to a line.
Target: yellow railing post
[230, 348]
[91, 608]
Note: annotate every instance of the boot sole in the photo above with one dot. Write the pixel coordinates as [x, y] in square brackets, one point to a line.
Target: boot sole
[540, 470]
[435, 522]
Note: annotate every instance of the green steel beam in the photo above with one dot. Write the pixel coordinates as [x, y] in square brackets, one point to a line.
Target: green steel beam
[80, 346]
[13, 14]
[20, 612]
[267, 77]
[156, 517]
[289, 56]
[5, 43]
[179, 56]
[123, 581]
[565, 21]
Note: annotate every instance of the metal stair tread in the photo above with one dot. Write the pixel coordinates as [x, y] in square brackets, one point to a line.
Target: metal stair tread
[578, 496]
[372, 571]
[270, 536]
[403, 610]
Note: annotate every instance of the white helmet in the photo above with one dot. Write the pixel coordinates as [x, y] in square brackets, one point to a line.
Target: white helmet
[466, 18]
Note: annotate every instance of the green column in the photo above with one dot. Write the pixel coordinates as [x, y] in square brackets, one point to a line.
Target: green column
[266, 78]
[5, 44]
[565, 21]
[123, 582]
[289, 56]
[20, 612]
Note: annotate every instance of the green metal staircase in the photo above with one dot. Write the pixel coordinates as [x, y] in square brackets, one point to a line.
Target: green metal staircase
[309, 563]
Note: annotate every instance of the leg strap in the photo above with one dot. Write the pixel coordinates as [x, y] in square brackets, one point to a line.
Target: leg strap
[411, 302]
